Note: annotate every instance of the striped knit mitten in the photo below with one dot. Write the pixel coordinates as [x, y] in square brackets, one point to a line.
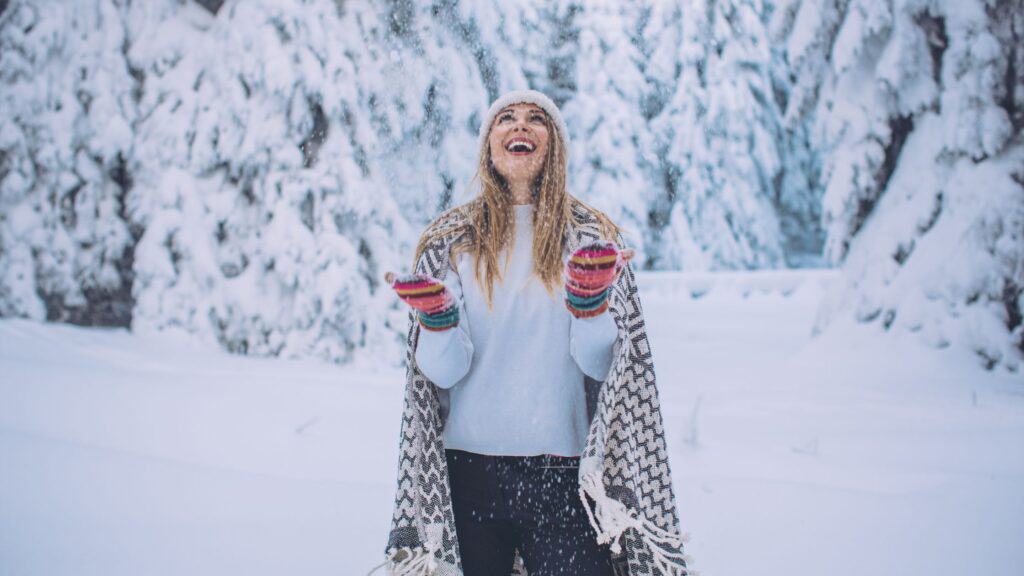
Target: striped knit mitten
[436, 310]
[589, 274]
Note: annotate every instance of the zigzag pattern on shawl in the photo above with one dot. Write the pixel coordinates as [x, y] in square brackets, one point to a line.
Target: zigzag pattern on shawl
[625, 479]
[624, 466]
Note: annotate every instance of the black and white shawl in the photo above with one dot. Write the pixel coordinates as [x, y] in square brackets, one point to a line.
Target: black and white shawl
[624, 476]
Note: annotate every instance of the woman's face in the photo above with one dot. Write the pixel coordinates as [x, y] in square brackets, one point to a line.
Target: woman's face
[519, 142]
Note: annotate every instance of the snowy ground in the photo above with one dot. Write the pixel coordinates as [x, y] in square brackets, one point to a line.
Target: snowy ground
[852, 453]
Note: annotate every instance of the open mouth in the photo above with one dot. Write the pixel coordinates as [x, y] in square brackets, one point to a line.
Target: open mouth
[520, 147]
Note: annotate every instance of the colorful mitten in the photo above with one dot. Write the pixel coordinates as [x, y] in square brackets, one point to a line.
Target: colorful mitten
[589, 273]
[435, 307]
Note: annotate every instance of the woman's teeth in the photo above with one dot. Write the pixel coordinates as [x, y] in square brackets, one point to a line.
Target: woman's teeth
[520, 147]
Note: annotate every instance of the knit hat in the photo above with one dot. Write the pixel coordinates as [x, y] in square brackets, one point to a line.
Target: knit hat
[523, 97]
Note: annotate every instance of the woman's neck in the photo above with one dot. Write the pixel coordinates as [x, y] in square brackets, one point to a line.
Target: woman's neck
[520, 190]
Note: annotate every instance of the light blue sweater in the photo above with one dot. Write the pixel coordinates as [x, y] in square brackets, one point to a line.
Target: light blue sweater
[515, 373]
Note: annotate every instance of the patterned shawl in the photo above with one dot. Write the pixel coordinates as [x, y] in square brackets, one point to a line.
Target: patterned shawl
[624, 476]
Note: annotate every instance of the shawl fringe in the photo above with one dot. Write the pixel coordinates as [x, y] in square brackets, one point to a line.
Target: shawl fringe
[418, 562]
[413, 561]
[611, 518]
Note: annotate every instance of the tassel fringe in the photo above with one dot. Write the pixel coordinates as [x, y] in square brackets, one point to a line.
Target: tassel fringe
[416, 562]
[610, 518]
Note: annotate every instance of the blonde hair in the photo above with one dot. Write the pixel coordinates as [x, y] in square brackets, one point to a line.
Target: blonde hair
[490, 219]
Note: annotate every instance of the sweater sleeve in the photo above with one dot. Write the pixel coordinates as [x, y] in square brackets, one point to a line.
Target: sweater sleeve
[591, 343]
[444, 356]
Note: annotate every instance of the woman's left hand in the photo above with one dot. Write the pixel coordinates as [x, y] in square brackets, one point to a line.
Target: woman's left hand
[589, 274]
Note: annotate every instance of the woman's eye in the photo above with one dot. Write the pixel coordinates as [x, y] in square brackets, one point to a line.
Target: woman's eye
[537, 117]
[504, 117]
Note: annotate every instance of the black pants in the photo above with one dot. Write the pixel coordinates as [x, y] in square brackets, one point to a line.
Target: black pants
[528, 502]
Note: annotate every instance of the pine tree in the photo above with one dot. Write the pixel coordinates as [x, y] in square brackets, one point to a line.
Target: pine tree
[66, 252]
[916, 108]
[719, 144]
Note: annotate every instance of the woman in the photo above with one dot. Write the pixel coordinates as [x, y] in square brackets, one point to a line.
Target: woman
[522, 303]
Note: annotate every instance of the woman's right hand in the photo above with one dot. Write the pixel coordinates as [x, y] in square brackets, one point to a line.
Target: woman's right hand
[433, 302]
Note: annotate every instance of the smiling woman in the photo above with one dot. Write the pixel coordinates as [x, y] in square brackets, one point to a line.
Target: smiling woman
[519, 145]
[510, 384]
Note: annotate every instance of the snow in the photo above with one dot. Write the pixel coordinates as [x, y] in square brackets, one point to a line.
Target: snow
[854, 451]
[239, 182]
[247, 175]
[230, 132]
[917, 125]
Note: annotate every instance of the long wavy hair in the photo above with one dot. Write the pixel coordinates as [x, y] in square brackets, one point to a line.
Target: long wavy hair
[491, 221]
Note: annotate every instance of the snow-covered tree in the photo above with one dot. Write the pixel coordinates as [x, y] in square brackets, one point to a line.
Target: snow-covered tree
[209, 172]
[719, 142]
[67, 101]
[916, 109]
[609, 163]
[245, 171]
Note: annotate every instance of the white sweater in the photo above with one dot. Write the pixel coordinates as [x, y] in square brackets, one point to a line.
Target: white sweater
[515, 373]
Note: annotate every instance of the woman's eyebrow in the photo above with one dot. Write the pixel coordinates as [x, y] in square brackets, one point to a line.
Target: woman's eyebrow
[530, 110]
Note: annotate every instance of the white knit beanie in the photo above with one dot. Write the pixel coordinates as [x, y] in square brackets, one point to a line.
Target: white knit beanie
[521, 97]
